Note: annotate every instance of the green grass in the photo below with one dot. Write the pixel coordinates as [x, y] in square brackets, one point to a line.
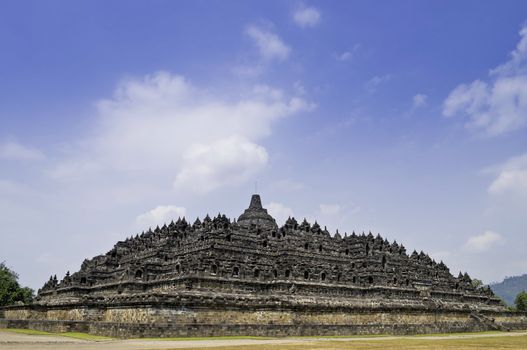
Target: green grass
[320, 336]
[339, 336]
[76, 335]
[495, 341]
[457, 334]
[308, 337]
[395, 335]
[228, 337]
[87, 336]
[84, 336]
[25, 331]
[484, 343]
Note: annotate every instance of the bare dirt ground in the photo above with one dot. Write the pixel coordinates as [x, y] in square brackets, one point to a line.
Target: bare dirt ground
[15, 341]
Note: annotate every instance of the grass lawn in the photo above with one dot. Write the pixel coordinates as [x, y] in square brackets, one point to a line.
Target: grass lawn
[25, 331]
[456, 341]
[206, 338]
[76, 335]
[314, 337]
[84, 336]
[417, 343]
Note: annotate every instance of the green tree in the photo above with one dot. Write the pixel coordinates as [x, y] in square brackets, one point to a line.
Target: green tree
[521, 301]
[477, 284]
[10, 290]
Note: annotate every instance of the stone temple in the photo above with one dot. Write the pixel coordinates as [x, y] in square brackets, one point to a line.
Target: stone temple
[251, 277]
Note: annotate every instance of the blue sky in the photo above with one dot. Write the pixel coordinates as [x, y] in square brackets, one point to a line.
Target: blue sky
[407, 118]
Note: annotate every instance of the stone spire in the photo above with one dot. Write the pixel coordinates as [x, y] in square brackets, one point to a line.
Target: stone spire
[256, 203]
[257, 215]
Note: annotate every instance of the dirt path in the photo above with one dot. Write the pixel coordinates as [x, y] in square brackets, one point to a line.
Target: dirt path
[15, 341]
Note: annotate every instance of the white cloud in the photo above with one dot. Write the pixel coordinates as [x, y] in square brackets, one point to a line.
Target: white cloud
[419, 100]
[228, 161]
[344, 56]
[279, 212]
[516, 64]
[372, 84]
[483, 242]
[515, 163]
[469, 97]
[349, 54]
[160, 215]
[335, 216]
[499, 105]
[306, 16]
[152, 132]
[15, 151]
[247, 70]
[165, 127]
[511, 178]
[299, 88]
[330, 209]
[270, 46]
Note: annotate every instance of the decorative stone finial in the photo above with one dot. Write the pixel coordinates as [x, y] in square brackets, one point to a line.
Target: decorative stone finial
[256, 202]
[256, 215]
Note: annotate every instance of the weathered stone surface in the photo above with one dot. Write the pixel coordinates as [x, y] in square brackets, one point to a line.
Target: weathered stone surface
[252, 277]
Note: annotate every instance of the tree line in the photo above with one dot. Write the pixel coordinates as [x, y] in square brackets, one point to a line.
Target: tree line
[10, 290]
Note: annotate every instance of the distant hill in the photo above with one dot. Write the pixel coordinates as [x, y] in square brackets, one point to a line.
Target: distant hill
[510, 287]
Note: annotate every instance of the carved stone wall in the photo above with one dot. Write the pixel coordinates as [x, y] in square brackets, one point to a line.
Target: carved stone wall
[166, 322]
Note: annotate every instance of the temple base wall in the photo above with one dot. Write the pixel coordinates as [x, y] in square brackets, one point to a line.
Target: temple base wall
[177, 322]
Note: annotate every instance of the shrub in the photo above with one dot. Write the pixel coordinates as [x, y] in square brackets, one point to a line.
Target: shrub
[521, 301]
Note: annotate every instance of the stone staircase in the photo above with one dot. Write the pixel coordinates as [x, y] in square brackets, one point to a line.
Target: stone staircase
[488, 322]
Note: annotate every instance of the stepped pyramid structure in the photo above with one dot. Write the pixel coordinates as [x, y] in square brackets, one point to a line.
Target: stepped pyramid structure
[251, 277]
